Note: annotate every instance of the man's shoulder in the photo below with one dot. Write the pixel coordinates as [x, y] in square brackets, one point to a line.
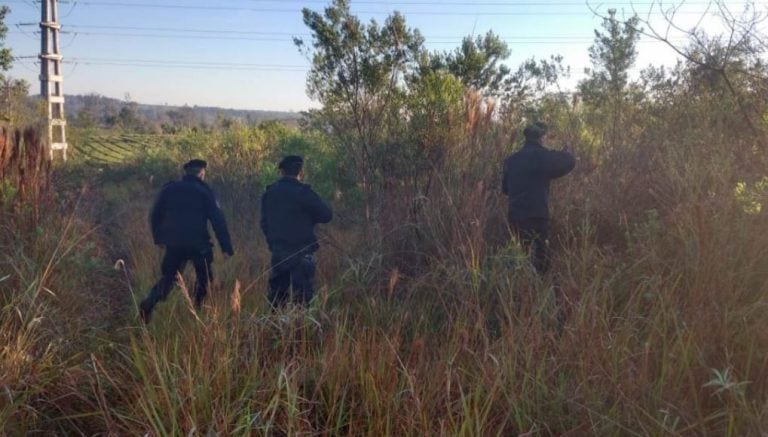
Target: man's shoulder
[170, 183]
[274, 186]
[516, 155]
[186, 188]
[168, 186]
[286, 185]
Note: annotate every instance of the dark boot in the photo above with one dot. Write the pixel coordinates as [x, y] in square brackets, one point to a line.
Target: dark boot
[145, 311]
[199, 298]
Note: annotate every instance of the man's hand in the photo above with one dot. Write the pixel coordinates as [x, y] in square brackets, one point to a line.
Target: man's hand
[161, 246]
[228, 255]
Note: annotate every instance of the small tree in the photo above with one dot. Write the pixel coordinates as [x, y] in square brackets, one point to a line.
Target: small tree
[13, 92]
[477, 63]
[605, 90]
[732, 64]
[358, 75]
[532, 88]
[5, 52]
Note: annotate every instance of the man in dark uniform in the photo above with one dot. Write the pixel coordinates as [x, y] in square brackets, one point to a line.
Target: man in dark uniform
[527, 174]
[289, 212]
[179, 221]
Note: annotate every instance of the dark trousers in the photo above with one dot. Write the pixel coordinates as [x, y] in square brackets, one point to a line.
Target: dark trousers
[533, 234]
[174, 262]
[291, 279]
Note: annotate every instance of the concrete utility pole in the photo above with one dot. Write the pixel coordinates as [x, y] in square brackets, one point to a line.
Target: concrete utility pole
[51, 77]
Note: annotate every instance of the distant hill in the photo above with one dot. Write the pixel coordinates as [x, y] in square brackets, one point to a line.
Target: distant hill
[105, 111]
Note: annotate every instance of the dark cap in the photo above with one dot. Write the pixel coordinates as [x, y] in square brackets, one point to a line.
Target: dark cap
[195, 163]
[291, 161]
[535, 131]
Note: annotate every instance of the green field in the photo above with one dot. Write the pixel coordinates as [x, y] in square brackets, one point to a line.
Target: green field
[429, 319]
[113, 148]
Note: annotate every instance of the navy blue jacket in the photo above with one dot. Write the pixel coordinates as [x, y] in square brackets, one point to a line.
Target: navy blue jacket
[181, 213]
[289, 212]
[527, 174]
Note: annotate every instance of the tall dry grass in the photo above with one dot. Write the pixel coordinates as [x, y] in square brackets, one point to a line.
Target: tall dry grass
[25, 171]
[436, 327]
[444, 329]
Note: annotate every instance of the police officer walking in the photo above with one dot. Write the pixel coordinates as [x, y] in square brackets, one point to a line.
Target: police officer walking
[290, 210]
[527, 175]
[179, 221]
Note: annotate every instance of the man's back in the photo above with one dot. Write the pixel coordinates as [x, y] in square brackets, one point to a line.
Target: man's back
[527, 174]
[179, 221]
[181, 213]
[289, 212]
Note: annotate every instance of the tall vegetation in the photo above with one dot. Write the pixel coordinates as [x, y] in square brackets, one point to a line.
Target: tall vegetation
[25, 176]
[357, 75]
[428, 320]
[5, 52]
[14, 105]
[605, 91]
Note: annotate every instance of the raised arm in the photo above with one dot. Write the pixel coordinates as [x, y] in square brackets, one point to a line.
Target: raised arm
[317, 208]
[559, 163]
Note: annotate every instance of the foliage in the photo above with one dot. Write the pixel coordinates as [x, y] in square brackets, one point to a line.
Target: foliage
[753, 197]
[5, 53]
[432, 322]
[533, 86]
[605, 91]
[357, 74]
[25, 170]
[477, 63]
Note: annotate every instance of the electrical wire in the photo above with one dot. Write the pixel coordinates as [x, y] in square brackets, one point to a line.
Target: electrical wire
[509, 41]
[192, 65]
[427, 13]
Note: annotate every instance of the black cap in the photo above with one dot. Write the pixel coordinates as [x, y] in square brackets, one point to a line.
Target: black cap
[535, 131]
[195, 163]
[291, 161]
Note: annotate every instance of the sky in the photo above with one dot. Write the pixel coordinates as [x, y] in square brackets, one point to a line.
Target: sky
[240, 53]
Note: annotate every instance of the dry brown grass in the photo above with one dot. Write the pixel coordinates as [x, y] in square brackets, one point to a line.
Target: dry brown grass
[25, 170]
[437, 326]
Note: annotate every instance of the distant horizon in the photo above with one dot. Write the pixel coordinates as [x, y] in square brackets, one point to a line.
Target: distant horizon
[241, 55]
[174, 105]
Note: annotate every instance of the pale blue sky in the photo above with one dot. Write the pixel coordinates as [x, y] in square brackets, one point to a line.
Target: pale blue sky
[241, 53]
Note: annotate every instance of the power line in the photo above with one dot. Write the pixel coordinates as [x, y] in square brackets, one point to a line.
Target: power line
[22, 62]
[25, 33]
[190, 68]
[162, 61]
[427, 13]
[670, 4]
[216, 34]
[75, 62]
[284, 36]
[204, 67]
[168, 36]
[543, 39]
[464, 3]
[186, 64]
[455, 41]
[249, 32]
[173, 29]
